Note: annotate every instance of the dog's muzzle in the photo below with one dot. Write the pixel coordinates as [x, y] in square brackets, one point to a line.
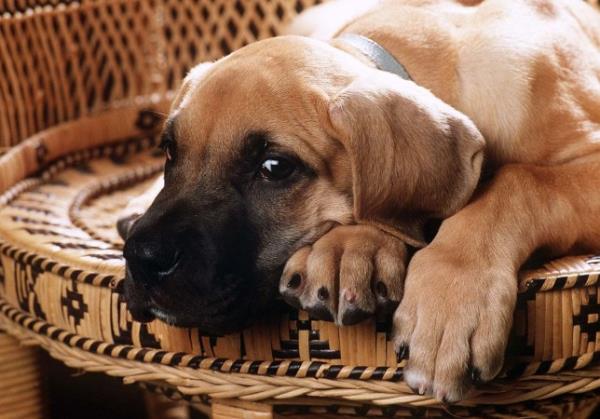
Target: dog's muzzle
[191, 271]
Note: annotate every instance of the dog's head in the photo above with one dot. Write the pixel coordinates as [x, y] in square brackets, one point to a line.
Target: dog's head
[266, 150]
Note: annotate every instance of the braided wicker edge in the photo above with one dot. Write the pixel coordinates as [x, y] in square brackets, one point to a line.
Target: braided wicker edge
[276, 379]
[556, 407]
[273, 389]
[532, 282]
[106, 186]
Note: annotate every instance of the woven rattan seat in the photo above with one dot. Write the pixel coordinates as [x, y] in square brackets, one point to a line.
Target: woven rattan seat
[82, 88]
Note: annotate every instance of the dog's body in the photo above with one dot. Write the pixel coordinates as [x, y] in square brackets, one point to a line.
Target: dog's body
[380, 155]
[520, 70]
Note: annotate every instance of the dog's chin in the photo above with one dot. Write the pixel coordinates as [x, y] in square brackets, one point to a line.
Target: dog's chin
[218, 323]
[163, 316]
[214, 321]
[232, 310]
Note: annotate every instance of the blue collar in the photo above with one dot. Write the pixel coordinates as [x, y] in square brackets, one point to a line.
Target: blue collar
[382, 59]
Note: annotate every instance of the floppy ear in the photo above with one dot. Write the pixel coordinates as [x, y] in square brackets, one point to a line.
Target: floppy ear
[413, 156]
[191, 79]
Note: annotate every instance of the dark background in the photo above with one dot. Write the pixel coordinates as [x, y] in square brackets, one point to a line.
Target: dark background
[73, 395]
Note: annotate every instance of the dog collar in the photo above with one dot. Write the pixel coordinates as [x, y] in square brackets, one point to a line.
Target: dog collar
[382, 59]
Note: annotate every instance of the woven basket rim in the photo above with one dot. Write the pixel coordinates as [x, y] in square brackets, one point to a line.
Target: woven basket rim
[196, 379]
[290, 368]
[193, 383]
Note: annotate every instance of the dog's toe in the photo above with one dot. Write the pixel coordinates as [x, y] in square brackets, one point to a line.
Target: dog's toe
[356, 300]
[390, 269]
[293, 279]
[346, 276]
[355, 306]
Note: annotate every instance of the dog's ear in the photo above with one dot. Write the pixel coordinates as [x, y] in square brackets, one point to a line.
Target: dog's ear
[413, 156]
[192, 79]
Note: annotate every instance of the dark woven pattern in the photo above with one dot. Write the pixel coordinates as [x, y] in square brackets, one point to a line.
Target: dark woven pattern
[61, 60]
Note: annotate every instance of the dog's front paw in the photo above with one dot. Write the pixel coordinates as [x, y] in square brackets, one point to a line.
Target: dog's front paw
[347, 275]
[454, 321]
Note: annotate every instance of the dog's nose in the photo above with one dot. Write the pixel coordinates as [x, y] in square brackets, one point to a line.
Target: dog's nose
[150, 260]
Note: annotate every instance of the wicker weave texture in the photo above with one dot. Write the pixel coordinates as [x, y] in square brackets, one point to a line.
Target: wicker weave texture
[21, 394]
[63, 60]
[365, 396]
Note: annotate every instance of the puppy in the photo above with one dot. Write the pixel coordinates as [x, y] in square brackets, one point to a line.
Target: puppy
[297, 160]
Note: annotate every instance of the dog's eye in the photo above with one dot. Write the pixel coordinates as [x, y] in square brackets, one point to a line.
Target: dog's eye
[167, 141]
[276, 168]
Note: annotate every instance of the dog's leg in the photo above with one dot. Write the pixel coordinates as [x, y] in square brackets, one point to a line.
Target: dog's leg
[347, 275]
[137, 207]
[460, 291]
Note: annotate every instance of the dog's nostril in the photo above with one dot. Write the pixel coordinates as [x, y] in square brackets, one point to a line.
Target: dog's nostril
[294, 281]
[154, 259]
[169, 267]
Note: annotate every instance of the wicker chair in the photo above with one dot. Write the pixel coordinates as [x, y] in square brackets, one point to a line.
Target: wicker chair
[82, 89]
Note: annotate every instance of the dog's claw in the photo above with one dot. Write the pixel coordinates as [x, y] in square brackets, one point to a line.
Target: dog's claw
[476, 376]
[291, 300]
[402, 353]
[354, 315]
[385, 305]
[320, 312]
[381, 289]
[290, 289]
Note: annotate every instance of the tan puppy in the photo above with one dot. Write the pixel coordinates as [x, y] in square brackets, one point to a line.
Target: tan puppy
[293, 141]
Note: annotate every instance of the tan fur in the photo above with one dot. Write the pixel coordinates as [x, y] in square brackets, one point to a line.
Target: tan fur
[525, 74]
[408, 130]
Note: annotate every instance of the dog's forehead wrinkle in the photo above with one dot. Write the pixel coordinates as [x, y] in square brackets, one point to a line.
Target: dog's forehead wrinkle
[289, 59]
